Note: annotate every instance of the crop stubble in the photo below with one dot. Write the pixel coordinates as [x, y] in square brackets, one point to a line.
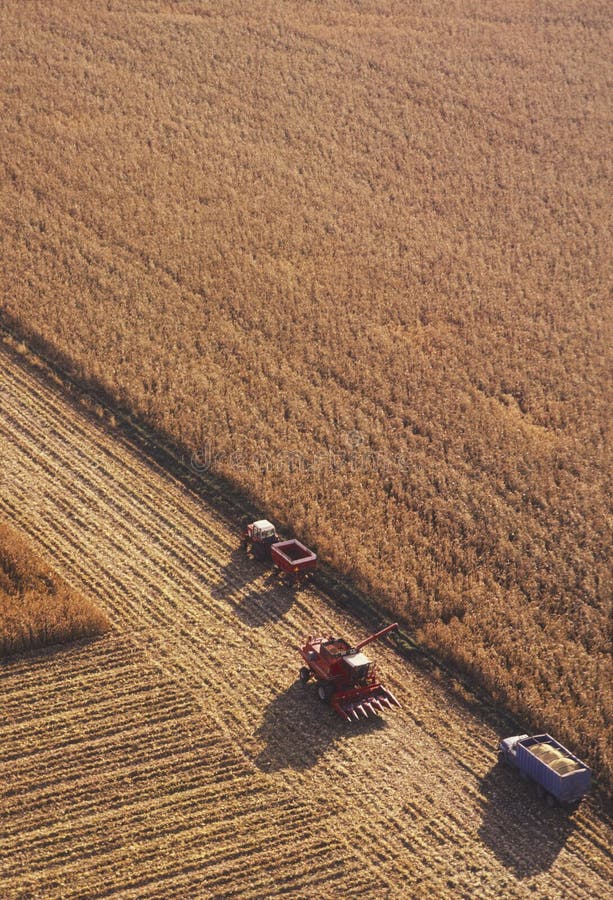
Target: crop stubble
[181, 755]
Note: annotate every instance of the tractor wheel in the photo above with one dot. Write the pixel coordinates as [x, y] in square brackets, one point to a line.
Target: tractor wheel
[305, 674]
[259, 551]
[325, 691]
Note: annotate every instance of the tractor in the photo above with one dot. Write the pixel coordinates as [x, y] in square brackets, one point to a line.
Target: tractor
[291, 558]
[346, 678]
[260, 535]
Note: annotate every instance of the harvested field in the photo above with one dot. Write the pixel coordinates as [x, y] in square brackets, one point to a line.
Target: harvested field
[180, 757]
[362, 248]
[117, 781]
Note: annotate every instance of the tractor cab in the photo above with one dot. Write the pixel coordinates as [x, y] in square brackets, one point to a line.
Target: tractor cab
[263, 531]
[261, 535]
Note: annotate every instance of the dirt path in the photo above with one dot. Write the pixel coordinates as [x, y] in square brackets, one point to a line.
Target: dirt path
[180, 756]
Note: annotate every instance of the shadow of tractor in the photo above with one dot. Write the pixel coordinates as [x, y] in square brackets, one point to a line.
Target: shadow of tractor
[298, 729]
[265, 595]
[522, 831]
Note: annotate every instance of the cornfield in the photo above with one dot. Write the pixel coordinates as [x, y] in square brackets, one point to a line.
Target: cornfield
[36, 606]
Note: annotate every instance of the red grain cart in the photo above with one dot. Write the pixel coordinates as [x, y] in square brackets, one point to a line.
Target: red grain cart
[293, 558]
[347, 679]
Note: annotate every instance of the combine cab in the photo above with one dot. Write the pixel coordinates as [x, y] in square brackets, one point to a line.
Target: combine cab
[346, 678]
[291, 557]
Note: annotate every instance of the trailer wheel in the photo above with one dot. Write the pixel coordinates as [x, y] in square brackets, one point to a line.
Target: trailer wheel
[305, 674]
[551, 800]
[540, 791]
[325, 691]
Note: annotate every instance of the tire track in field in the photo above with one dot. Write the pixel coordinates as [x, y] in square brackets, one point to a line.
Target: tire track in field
[166, 569]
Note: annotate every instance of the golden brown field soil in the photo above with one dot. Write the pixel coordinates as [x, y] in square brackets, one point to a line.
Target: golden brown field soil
[36, 606]
[357, 256]
[181, 757]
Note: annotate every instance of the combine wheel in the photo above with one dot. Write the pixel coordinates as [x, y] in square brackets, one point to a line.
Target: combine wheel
[325, 691]
[305, 674]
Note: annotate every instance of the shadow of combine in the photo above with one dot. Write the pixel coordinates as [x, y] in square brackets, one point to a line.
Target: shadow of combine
[298, 729]
[521, 830]
[264, 596]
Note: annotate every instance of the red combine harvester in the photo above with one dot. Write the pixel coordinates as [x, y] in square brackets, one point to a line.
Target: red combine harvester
[290, 557]
[347, 678]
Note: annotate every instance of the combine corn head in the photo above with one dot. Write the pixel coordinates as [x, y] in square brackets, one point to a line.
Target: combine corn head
[347, 679]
